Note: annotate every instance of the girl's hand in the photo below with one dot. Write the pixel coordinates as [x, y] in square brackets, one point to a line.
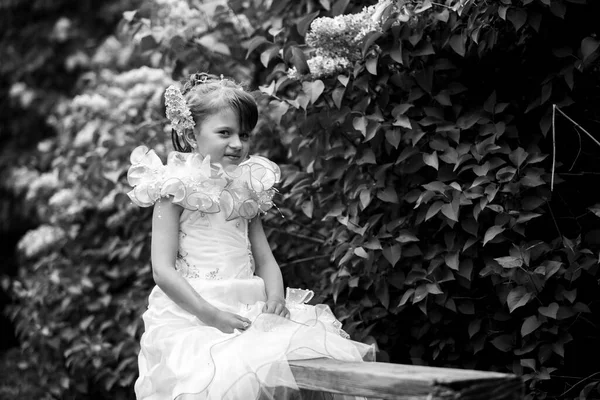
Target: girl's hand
[226, 322]
[276, 307]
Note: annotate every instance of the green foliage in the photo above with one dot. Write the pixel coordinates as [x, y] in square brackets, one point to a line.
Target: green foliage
[82, 293]
[415, 190]
[422, 169]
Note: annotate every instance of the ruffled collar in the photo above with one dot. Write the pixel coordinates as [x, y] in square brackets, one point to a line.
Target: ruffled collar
[197, 184]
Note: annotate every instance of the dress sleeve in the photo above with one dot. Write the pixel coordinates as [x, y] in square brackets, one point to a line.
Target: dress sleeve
[196, 184]
[145, 175]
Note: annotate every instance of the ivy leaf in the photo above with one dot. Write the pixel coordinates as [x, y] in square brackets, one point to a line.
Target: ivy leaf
[359, 251]
[549, 311]
[526, 216]
[465, 268]
[254, 43]
[517, 17]
[491, 233]
[503, 343]
[490, 103]
[532, 202]
[436, 186]
[502, 10]
[425, 5]
[551, 267]
[396, 54]
[382, 292]
[299, 60]
[457, 42]
[304, 23]
[518, 156]
[365, 198]
[314, 89]
[393, 137]
[509, 262]
[474, 327]
[517, 297]
[434, 209]
[450, 210]
[433, 288]
[451, 260]
[371, 65]
[420, 294]
[360, 124]
[529, 325]
[405, 236]
[481, 170]
[570, 295]
[307, 208]
[368, 41]
[403, 121]
[506, 174]
[373, 244]
[588, 46]
[400, 109]
[467, 120]
[470, 225]
[338, 95]
[388, 195]
[558, 8]
[392, 253]
[406, 296]
[278, 110]
[431, 160]
[532, 179]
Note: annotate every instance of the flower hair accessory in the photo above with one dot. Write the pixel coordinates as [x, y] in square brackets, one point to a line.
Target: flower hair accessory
[177, 111]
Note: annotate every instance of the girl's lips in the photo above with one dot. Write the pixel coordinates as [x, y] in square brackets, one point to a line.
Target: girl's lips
[234, 159]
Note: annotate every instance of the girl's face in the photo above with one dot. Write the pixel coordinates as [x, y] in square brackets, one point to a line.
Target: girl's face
[219, 137]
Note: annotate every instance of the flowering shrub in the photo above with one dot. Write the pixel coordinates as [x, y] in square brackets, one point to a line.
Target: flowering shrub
[337, 41]
[422, 173]
[415, 187]
[74, 290]
[85, 277]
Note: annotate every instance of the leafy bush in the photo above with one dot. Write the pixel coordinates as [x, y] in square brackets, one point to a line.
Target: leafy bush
[82, 294]
[416, 183]
[425, 163]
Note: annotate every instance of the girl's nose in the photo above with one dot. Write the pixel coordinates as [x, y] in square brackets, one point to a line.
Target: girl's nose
[235, 142]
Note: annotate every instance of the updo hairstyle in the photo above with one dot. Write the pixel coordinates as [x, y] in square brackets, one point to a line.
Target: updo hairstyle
[206, 95]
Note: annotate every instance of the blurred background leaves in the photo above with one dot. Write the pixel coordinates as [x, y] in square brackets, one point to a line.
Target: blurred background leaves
[415, 144]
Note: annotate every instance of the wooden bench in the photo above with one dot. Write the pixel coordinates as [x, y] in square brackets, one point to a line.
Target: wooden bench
[376, 380]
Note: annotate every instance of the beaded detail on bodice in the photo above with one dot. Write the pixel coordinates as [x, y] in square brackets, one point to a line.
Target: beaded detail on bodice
[212, 248]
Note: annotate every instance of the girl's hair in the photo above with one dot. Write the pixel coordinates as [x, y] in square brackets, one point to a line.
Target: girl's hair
[207, 94]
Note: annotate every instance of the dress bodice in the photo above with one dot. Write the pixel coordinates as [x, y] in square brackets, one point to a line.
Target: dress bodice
[218, 204]
[213, 248]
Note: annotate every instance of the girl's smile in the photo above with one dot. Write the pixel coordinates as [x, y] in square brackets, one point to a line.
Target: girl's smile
[220, 138]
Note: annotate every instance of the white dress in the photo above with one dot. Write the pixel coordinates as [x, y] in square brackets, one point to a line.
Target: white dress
[181, 357]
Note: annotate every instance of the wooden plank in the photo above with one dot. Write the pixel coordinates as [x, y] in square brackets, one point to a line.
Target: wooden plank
[404, 382]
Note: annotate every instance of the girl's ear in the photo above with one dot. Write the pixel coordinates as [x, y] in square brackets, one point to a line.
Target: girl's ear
[190, 138]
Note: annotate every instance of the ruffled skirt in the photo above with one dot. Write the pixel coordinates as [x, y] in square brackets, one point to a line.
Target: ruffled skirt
[182, 358]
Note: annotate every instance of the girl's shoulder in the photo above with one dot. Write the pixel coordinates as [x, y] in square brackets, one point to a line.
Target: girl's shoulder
[197, 184]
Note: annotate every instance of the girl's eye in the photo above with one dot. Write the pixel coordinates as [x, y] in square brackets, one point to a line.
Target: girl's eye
[244, 136]
[226, 133]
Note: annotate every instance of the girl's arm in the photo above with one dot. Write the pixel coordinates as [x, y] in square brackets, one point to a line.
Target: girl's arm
[165, 243]
[268, 269]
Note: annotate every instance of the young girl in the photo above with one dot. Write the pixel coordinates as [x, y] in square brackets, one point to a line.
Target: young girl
[218, 325]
